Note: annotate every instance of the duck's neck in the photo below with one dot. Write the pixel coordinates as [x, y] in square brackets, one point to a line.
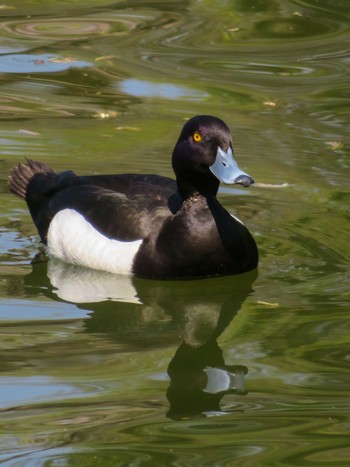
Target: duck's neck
[206, 187]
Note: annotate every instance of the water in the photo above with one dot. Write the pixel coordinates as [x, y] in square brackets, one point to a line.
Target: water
[248, 370]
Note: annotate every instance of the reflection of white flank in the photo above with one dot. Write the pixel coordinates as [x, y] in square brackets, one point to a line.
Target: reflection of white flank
[71, 238]
[80, 285]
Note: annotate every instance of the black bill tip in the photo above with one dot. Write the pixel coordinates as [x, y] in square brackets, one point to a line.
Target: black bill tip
[244, 180]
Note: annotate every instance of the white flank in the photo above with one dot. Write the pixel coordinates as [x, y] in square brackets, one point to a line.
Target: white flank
[71, 238]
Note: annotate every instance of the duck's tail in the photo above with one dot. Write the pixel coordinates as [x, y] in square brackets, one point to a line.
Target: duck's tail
[21, 175]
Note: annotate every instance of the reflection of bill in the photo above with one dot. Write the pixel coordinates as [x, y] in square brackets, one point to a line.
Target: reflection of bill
[225, 379]
[199, 379]
[202, 309]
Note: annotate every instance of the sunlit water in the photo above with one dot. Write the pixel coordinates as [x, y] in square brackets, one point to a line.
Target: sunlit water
[249, 370]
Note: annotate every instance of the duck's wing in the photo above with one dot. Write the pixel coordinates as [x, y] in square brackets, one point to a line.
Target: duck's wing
[126, 183]
[115, 215]
[140, 205]
[141, 188]
[118, 216]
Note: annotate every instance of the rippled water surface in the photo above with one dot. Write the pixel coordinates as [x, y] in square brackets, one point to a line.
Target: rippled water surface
[249, 370]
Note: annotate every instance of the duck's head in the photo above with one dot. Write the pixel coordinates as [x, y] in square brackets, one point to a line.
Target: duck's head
[203, 156]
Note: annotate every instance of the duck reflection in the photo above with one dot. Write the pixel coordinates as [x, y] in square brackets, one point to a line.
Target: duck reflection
[141, 313]
[199, 377]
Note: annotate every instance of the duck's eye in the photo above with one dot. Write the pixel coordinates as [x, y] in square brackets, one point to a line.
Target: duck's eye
[197, 137]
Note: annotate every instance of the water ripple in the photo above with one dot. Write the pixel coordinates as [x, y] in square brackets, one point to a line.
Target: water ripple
[196, 46]
[294, 27]
[64, 29]
[38, 63]
[139, 88]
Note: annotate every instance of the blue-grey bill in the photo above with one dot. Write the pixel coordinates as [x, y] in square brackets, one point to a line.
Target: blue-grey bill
[226, 169]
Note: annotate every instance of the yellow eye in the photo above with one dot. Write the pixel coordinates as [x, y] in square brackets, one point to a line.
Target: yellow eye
[197, 137]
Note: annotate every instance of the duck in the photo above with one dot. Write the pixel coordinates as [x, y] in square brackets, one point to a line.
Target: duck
[145, 225]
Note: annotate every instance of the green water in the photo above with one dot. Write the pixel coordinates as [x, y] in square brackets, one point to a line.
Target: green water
[103, 370]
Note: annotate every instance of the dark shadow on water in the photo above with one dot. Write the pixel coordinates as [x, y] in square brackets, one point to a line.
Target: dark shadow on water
[139, 314]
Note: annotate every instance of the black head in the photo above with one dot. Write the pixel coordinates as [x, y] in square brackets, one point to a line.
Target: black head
[203, 156]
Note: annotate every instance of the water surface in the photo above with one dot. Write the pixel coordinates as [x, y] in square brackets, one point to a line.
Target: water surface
[248, 370]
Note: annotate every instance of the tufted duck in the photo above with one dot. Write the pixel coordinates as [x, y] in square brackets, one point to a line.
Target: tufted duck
[147, 225]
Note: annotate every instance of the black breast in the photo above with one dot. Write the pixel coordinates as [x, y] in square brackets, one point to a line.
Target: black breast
[201, 240]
